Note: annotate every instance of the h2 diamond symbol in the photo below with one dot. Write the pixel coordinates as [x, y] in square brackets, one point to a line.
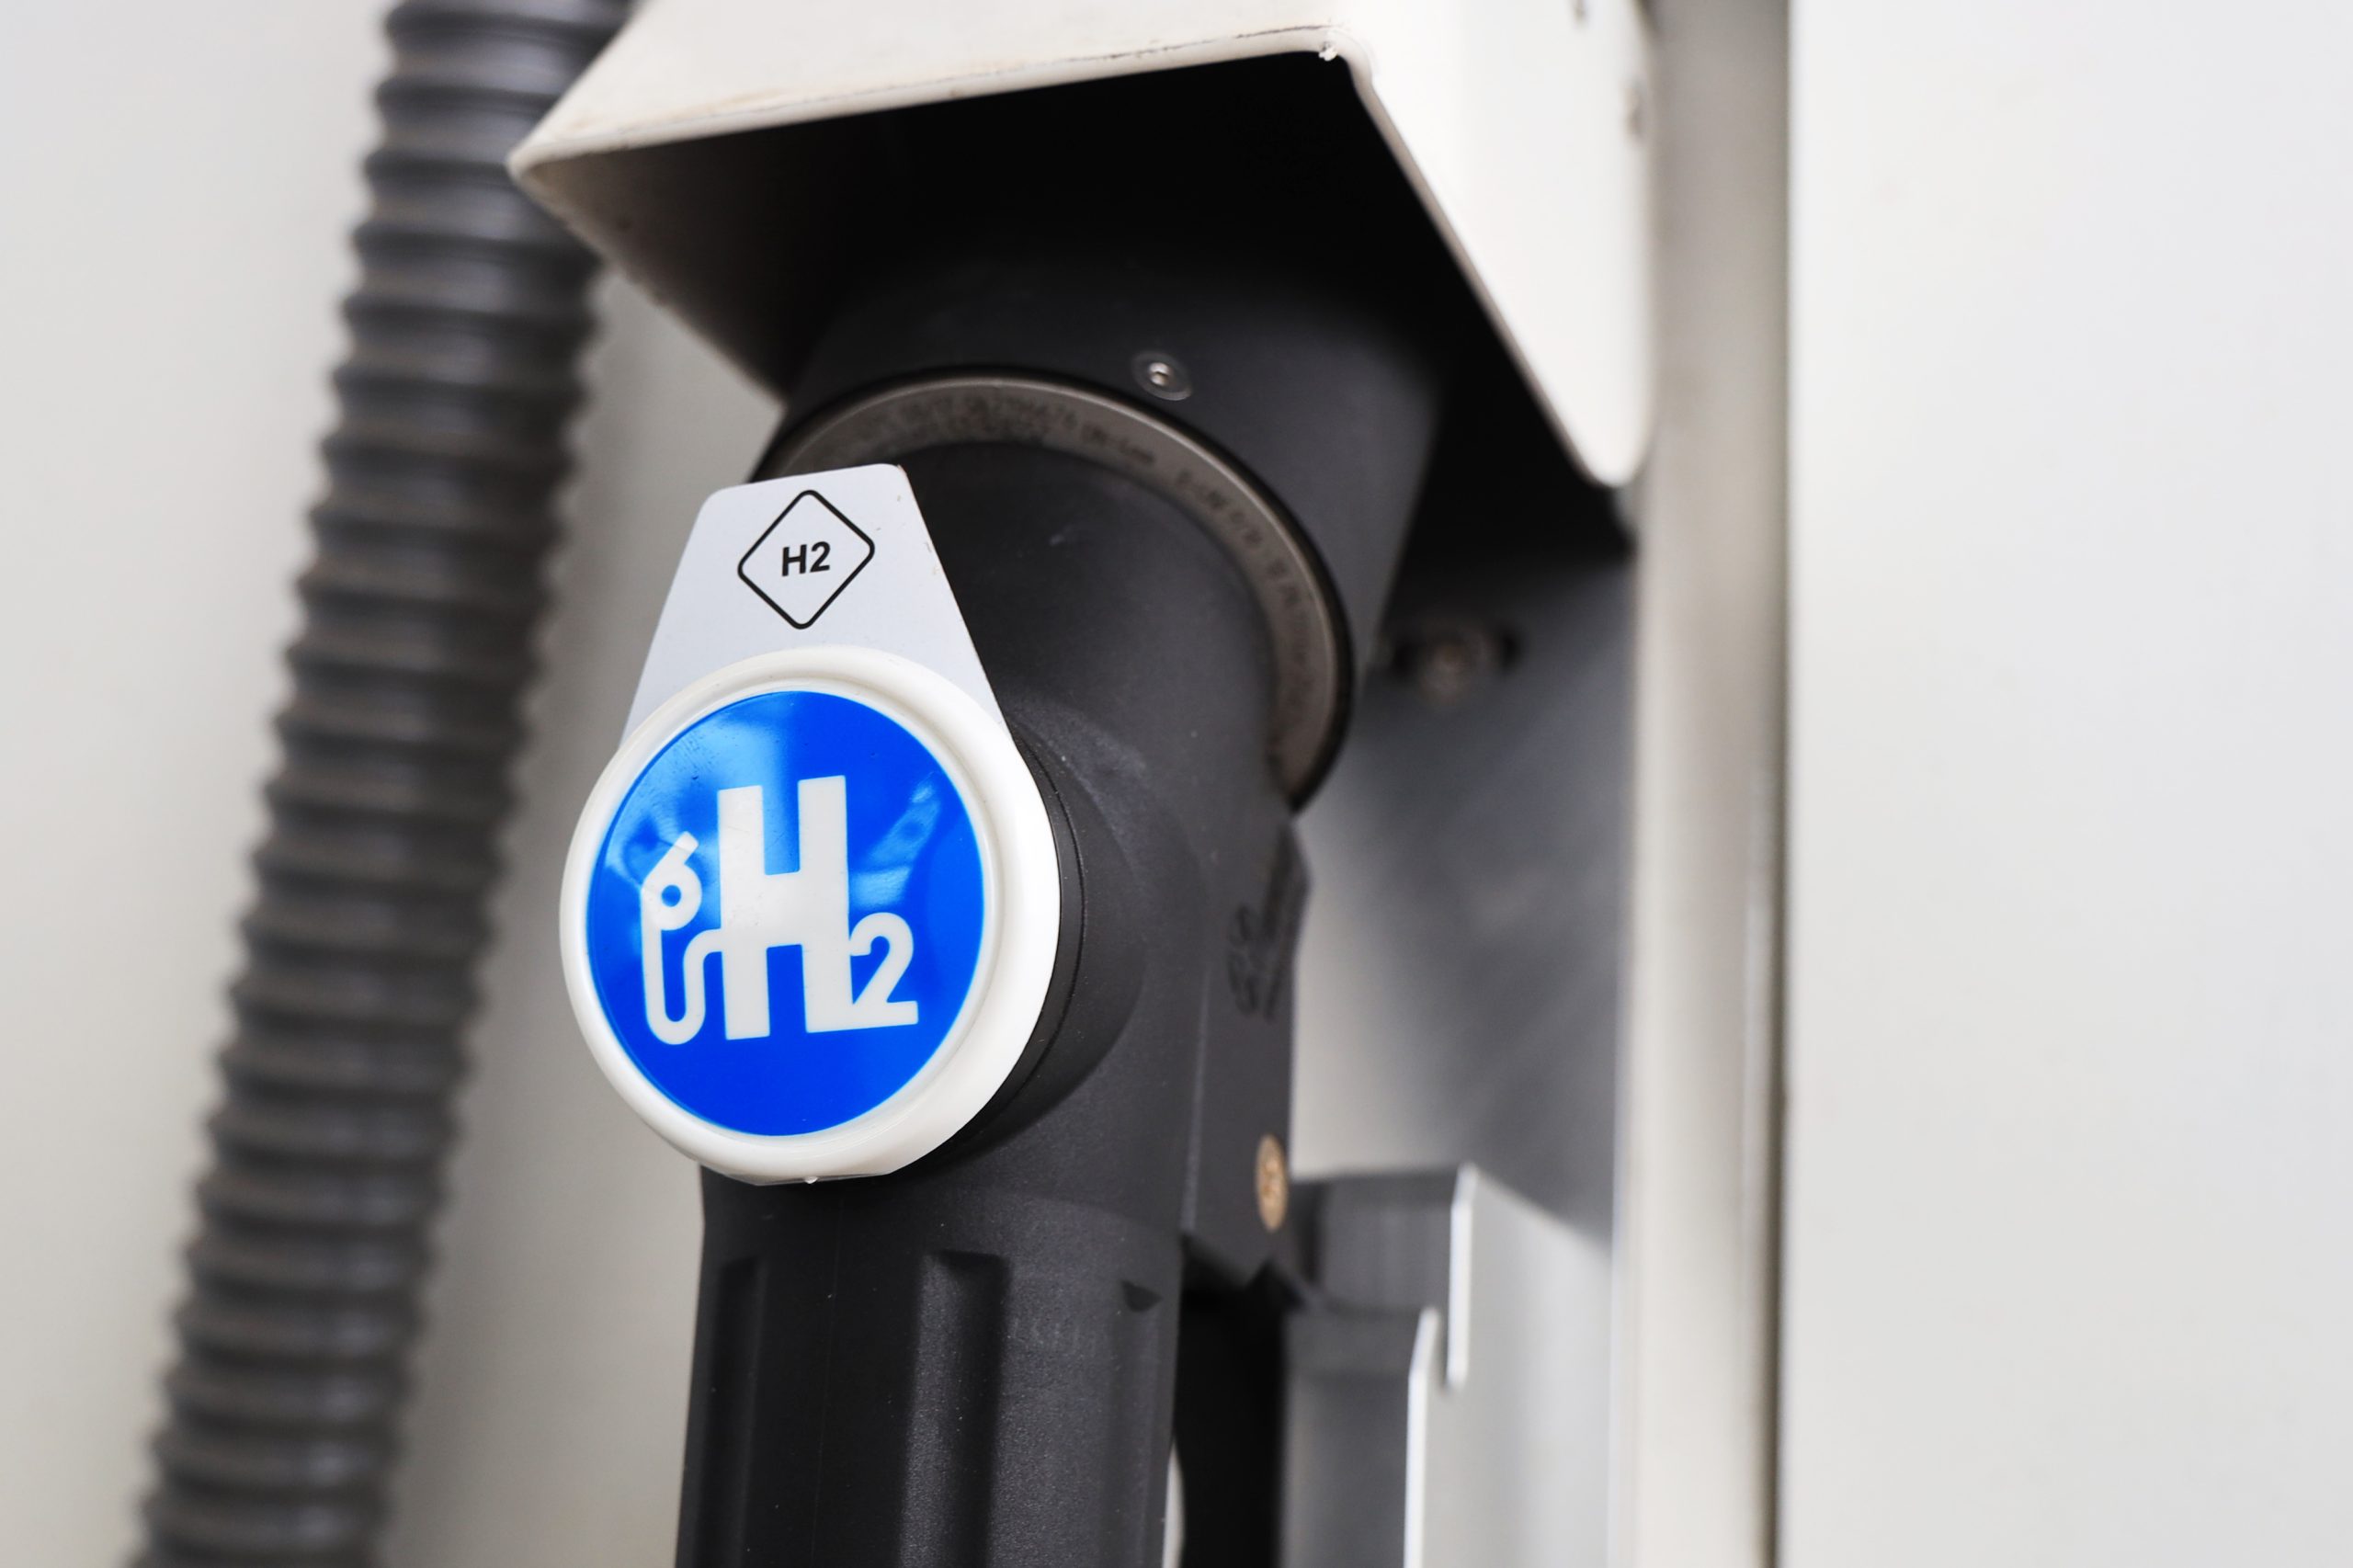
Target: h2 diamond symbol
[805, 559]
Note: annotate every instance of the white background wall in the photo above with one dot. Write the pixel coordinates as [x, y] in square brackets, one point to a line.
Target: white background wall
[175, 189]
[2070, 1224]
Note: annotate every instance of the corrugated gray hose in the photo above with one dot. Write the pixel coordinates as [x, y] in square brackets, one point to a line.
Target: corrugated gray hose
[420, 612]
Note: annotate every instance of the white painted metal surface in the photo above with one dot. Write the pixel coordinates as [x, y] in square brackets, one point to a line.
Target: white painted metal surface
[1448, 1402]
[2071, 1114]
[1693, 1461]
[1521, 122]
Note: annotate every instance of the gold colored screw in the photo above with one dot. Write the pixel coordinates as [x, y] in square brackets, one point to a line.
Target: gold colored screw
[1274, 1183]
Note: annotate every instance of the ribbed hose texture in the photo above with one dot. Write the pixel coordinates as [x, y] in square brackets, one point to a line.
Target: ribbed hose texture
[420, 612]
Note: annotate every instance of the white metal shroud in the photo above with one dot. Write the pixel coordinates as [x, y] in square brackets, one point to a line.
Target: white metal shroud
[1522, 124]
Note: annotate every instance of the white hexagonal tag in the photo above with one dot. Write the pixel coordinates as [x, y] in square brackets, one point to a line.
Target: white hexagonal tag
[834, 559]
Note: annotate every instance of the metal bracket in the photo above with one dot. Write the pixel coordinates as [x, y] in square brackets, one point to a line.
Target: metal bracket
[1448, 1401]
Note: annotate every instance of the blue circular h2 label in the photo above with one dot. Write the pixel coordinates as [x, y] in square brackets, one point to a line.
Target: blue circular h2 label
[786, 914]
